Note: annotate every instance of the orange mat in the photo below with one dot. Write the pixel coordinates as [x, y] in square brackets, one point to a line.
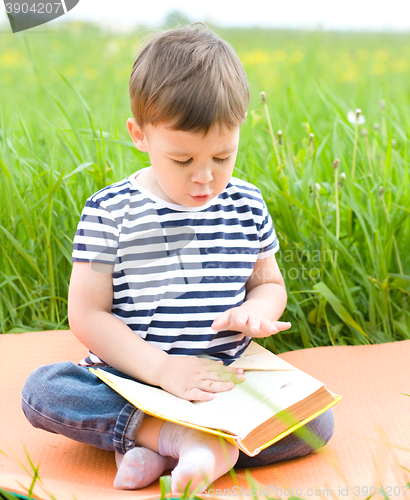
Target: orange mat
[370, 447]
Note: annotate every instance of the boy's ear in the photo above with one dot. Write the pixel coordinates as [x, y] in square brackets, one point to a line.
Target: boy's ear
[137, 135]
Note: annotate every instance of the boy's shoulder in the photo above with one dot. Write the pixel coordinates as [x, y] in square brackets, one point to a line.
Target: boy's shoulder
[110, 194]
[244, 189]
[243, 184]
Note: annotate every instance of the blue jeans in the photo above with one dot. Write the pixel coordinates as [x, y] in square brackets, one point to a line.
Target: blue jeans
[68, 399]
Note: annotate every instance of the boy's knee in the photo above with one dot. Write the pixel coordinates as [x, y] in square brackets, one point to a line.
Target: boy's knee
[40, 391]
[37, 383]
[323, 426]
[34, 416]
[31, 395]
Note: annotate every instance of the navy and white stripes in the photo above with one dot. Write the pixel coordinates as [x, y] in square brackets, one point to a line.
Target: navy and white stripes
[175, 268]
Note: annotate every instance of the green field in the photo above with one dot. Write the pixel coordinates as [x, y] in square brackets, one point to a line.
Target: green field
[344, 232]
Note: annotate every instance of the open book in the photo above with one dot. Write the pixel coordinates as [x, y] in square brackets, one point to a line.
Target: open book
[274, 400]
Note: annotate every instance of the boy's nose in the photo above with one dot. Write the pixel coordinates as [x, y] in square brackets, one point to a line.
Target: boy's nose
[202, 175]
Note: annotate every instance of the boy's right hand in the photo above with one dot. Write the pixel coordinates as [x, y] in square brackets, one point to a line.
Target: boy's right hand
[197, 379]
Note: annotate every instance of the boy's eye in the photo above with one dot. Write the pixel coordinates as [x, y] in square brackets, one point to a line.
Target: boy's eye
[183, 163]
[186, 163]
[221, 160]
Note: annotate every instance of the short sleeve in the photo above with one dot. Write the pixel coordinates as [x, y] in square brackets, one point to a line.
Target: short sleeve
[96, 238]
[268, 241]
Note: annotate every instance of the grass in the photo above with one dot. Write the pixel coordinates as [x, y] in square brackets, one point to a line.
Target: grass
[344, 232]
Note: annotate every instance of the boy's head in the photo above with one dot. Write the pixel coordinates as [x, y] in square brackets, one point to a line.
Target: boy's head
[189, 79]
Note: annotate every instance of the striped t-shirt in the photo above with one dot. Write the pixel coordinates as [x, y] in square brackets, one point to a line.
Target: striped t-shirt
[176, 268]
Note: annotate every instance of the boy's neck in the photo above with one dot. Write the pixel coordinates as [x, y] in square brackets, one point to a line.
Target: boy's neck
[141, 177]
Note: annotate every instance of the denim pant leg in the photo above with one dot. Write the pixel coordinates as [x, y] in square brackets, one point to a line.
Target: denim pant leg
[68, 399]
[291, 446]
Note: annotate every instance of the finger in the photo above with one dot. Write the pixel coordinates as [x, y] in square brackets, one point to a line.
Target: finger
[235, 377]
[214, 386]
[221, 368]
[268, 327]
[217, 366]
[223, 373]
[254, 324]
[220, 321]
[223, 317]
[207, 390]
[241, 319]
[196, 394]
[282, 325]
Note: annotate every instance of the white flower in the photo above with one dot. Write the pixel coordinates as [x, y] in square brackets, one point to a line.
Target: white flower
[353, 116]
[343, 176]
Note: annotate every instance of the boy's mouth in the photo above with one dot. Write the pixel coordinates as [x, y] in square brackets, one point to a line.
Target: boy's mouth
[204, 197]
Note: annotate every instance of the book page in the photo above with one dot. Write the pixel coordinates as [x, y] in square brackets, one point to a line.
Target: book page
[259, 397]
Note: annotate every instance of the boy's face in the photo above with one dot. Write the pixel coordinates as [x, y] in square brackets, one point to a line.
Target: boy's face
[186, 169]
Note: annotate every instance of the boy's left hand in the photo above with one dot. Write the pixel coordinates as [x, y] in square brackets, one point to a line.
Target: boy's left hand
[249, 321]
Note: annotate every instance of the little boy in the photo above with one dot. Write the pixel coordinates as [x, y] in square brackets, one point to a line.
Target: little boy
[174, 272]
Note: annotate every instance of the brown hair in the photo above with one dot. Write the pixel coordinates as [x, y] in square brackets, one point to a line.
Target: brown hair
[190, 78]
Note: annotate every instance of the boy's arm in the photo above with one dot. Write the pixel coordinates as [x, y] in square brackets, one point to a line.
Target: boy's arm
[264, 303]
[89, 313]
